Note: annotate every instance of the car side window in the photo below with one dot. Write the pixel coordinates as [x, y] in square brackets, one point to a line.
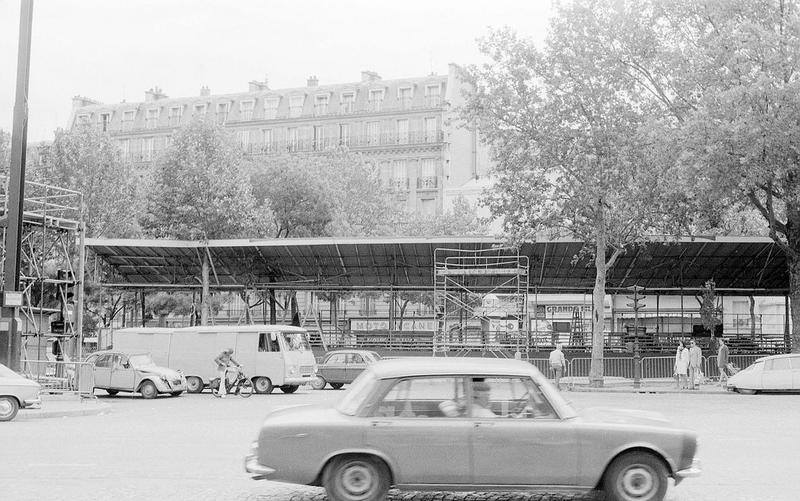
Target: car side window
[103, 361]
[514, 397]
[266, 343]
[355, 358]
[338, 358]
[118, 362]
[795, 363]
[420, 397]
[778, 364]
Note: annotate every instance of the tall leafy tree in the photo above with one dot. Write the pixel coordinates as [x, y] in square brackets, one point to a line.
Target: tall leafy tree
[199, 187]
[89, 162]
[565, 134]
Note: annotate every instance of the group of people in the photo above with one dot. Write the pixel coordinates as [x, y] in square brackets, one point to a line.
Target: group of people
[689, 362]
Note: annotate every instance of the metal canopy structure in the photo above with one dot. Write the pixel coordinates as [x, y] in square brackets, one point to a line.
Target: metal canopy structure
[738, 265]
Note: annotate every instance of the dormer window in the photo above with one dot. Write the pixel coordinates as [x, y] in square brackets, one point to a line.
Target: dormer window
[296, 106]
[433, 96]
[376, 99]
[222, 112]
[83, 119]
[200, 110]
[348, 102]
[246, 110]
[128, 117]
[404, 97]
[321, 105]
[151, 120]
[104, 121]
[271, 107]
[175, 114]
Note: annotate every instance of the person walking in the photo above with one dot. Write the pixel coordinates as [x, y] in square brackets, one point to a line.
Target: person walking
[722, 362]
[557, 364]
[681, 365]
[223, 361]
[695, 362]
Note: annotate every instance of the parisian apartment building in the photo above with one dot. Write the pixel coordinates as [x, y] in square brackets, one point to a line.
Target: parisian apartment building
[408, 128]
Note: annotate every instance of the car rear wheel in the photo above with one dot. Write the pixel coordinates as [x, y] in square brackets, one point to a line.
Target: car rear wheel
[336, 386]
[746, 391]
[356, 478]
[262, 385]
[289, 388]
[194, 384]
[148, 390]
[636, 476]
[112, 392]
[318, 383]
[175, 393]
[8, 408]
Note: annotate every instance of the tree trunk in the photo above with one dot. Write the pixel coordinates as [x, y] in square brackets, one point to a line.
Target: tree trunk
[752, 317]
[794, 300]
[598, 298]
[204, 297]
[248, 319]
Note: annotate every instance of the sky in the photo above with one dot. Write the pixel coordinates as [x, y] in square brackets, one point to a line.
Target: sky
[114, 50]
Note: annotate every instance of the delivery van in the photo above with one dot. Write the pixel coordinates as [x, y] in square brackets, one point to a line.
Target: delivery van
[271, 355]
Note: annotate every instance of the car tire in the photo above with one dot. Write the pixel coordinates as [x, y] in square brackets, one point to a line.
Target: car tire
[745, 391]
[318, 383]
[636, 476]
[356, 478]
[148, 390]
[263, 385]
[289, 388]
[8, 408]
[194, 384]
[112, 392]
[336, 386]
[175, 393]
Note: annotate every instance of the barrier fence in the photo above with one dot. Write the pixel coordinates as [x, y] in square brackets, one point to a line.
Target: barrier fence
[60, 376]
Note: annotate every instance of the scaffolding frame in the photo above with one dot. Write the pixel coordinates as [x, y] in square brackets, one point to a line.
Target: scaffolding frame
[466, 321]
[51, 241]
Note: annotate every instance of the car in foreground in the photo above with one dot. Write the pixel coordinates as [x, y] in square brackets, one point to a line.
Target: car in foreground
[340, 367]
[17, 392]
[776, 373]
[115, 371]
[455, 424]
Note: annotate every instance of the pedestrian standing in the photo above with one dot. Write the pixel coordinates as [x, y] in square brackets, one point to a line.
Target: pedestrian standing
[557, 364]
[722, 362]
[681, 365]
[695, 362]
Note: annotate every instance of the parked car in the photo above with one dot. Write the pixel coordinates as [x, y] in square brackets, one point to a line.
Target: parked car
[773, 373]
[116, 371]
[468, 424]
[340, 367]
[16, 392]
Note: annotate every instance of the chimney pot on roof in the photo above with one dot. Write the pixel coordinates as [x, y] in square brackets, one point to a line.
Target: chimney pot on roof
[205, 91]
[369, 76]
[312, 81]
[80, 102]
[154, 94]
[256, 86]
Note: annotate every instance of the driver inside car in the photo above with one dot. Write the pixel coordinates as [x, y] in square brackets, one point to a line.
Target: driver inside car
[479, 407]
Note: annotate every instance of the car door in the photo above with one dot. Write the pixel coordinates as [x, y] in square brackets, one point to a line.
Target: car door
[525, 442]
[777, 374]
[422, 444]
[795, 361]
[355, 365]
[334, 369]
[123, 376]
[102, 370]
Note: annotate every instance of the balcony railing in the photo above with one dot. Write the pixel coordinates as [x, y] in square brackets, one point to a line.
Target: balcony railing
[364, 141]
[399, 184]
[427, 183]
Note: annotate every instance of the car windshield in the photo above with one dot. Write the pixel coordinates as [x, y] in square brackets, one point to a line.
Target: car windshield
[357, 393]
[6, 372]
[296, 341]
[141, 361]
[753, 366]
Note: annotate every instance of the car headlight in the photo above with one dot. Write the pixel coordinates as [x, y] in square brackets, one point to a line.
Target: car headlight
[165, 379]
[292, 371]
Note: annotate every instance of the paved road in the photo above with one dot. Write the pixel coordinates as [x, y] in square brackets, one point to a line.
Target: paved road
[191, 448]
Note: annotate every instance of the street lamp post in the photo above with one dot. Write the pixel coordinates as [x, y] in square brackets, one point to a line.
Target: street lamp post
[637, 356]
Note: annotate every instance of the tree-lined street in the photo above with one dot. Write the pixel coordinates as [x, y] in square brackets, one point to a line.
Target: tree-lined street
[192, 448]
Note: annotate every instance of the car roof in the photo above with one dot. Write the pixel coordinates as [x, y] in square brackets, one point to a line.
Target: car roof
[419, 366]
[346, 350]
[118, 352]
[783, 355]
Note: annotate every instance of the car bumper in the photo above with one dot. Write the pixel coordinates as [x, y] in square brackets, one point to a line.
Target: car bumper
[258, 470]
[32, 403]
[694, 470]
[299, 380]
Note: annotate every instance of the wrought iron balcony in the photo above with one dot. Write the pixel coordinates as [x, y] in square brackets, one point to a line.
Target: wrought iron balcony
[427, 183]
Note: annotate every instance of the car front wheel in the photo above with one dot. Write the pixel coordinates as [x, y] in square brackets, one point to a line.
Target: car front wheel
[289, 388]
[8, 408]
[148, 390]
[636, 476]
[336, 386]
[318, 383]
[194, 384]
[262, 385]
[356, 478]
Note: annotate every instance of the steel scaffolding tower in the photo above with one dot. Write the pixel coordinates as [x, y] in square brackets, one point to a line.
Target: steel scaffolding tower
[481, 301]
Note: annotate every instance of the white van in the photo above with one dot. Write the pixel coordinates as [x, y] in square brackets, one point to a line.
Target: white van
[271, 355]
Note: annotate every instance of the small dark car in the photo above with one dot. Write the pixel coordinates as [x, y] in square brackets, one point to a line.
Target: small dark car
[341, 367]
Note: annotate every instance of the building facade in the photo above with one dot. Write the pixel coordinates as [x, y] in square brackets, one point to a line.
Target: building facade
[407, 127]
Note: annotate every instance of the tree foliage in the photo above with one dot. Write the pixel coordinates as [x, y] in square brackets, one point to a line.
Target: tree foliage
[199, 188]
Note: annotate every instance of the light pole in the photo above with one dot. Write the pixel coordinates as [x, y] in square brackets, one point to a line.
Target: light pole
[637, 356]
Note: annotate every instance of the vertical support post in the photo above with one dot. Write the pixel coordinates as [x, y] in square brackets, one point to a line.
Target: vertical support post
[143, 310]
[10, 351]
[79, 287]
[204, 277]
[787, 338]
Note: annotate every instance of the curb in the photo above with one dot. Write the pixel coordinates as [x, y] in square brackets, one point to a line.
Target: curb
[57, 408]
[646, 389]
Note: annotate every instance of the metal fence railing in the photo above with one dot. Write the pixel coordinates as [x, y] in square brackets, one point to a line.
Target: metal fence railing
[60, 376]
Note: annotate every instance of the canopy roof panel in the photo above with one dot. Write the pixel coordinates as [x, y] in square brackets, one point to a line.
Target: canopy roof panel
[743, 264]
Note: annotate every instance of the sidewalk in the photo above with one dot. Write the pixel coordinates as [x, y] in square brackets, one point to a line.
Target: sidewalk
[623, 385]
[57, 406]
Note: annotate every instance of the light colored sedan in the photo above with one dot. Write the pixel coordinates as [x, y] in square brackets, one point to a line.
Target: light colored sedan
[116, 371]
[448, 424]
[774, 373]
[16, 392]
[342, 367]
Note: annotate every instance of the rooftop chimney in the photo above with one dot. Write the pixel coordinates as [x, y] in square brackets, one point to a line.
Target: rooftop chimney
[312, 81]
[256, 86]
[154, 94]
[369, 76]
[205, 91]
[80, 102]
